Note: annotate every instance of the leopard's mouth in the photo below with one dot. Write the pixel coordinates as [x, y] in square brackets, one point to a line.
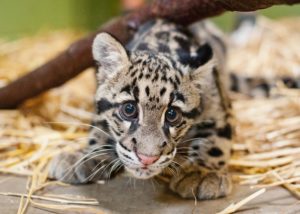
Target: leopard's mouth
[143, 172]
[138, 170]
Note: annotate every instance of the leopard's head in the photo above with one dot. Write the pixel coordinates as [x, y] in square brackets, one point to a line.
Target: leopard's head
[147, 102]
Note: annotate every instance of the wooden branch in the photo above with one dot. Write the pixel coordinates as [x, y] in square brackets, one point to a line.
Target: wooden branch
[68, 64]
[188, 11]
[78, 56]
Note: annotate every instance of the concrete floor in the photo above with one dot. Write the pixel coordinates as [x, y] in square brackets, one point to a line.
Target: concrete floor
[121, 196]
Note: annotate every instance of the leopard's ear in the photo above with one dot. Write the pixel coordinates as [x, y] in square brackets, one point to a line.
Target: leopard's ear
[110, 54]
[203, 75]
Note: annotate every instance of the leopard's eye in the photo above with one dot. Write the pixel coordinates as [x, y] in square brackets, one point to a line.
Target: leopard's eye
[129, 110]
[173, 115]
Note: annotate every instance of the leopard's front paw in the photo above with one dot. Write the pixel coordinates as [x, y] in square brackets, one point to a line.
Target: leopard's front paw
[209, 186]
[71, 168]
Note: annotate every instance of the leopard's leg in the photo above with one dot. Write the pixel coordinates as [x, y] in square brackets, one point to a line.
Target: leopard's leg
[98, 160]
[204, 168]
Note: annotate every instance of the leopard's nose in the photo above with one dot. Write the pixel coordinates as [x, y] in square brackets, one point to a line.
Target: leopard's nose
[147, 160]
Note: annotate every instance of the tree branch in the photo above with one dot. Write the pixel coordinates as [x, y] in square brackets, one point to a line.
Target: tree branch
[78, 56]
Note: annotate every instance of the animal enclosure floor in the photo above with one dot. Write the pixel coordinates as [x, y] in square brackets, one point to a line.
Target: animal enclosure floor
[122, 196]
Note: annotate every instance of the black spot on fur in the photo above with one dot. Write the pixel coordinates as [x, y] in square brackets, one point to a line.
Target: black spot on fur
[92, 142]
[126, 156]
[147, 90]
[162, 91]
[203, 55]
[117, 116]
[103, 124]
[221, 163]
[104, 105]
[183, 43]
[110, 141]
[182, 29]
[191, 114]
[155, 78]
[209, 124]
[249, 80]
[134, 141]
[194, 154]
[173, 83]
[163, 48]
[203, 134]
[181, 124]
[179, 96]
[163, 144]
[234, 82]
[184, 57]
[170, 151]
[164, 78]
[200, 162]
[165, 161]
[134, 81]
[126, 89]
[141, 76]
[289, 82]
[156, 70]
[163, 35]
[175, 67]
[145, 63]
[115, 131]
[171, 97]
[143, 46]
[166, 130]
[138, 61]
[215, 152]
[177, 79]
[130, 67]
[136, 92]
[133, 72]
[124, 147]
[265, 88]
[195, 147]
[225, 132]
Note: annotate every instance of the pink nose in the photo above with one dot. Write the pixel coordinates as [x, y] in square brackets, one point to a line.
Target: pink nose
[147, 159]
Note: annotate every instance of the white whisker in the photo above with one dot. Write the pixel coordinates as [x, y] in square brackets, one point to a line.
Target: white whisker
[191, 139]
[112, 162]
[82, 124]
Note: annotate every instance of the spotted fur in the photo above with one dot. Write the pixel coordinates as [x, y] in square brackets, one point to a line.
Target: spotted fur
[165, 68]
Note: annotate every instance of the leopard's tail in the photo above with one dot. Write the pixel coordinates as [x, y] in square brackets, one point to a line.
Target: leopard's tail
[261, 83]
[260, 87]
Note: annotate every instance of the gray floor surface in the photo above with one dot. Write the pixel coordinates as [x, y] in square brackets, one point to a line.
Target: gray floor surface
[122, 196]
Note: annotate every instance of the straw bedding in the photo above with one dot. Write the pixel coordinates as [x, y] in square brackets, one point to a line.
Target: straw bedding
[266, 146]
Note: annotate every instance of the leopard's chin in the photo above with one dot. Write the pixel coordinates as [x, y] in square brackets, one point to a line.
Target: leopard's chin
[141, 173]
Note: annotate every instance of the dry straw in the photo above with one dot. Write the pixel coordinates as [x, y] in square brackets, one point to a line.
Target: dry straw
[266, 147]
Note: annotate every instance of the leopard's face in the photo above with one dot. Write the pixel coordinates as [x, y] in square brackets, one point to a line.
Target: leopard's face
[146, 103]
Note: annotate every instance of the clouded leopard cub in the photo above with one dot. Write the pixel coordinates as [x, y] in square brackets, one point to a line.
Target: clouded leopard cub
[161, 107]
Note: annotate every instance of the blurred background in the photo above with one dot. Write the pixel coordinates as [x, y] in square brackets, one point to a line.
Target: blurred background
[23, 18]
